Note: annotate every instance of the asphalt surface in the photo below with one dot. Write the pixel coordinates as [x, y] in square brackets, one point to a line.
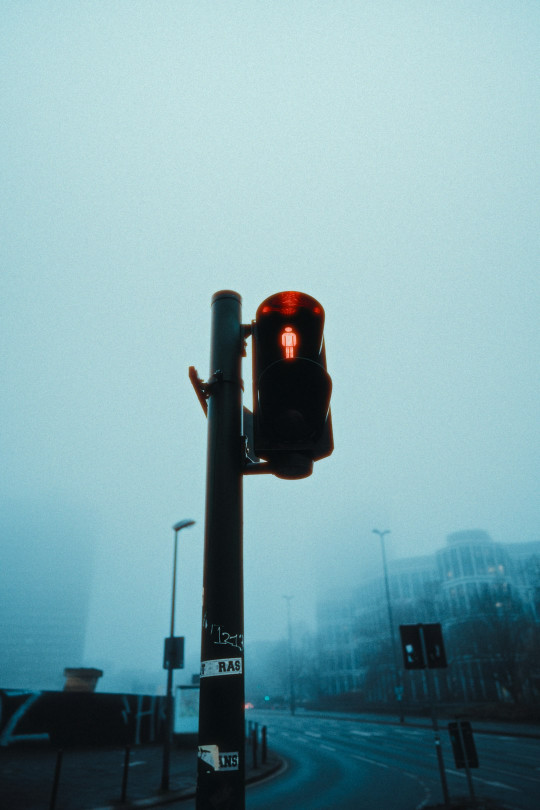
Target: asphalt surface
[93, 778]
[354, 762]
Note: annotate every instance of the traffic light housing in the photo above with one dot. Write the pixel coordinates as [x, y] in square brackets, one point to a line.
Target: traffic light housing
[413, 647]
[436, 654]
[291, 387]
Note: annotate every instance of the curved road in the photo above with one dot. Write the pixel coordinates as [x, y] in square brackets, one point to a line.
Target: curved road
[346, 764]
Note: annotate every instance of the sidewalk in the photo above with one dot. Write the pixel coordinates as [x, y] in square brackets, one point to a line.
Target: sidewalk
[92, 778]
[479, 726]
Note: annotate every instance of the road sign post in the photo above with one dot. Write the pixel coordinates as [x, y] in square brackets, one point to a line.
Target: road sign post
[423, 648]
[434, 719]
[465, 756]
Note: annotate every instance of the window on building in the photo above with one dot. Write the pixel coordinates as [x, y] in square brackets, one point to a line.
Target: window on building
[479, 562]
[454, 563]
[490, 560]
[466, 562]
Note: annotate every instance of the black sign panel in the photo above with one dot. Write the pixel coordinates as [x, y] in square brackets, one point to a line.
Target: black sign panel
[463, 746]
[173, 654]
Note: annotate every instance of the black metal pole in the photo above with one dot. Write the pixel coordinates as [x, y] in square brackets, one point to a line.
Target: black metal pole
[467, 766]
[171, 654]
[221, 756]
[398, 690]
[292, 697]
[434, 720]
[167, 742]
[125, 774]
[56, 780]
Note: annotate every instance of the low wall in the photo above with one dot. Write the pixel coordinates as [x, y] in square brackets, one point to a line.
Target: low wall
[67, 719]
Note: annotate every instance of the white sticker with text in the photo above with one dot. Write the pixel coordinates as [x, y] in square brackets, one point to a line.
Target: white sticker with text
[219, 760]
[221, 666]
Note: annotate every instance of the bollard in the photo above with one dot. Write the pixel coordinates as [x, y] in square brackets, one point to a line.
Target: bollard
[254, 743]
[125, 774]
[52, 803]
[263, 745]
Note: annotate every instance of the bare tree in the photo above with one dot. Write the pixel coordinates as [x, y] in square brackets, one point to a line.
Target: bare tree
[498, 632]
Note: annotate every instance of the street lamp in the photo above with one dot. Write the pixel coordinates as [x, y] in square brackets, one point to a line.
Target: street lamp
[182, 524]
[398, 688]
[292, 703]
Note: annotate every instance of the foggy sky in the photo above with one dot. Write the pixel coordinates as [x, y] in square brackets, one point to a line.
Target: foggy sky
[382, 158]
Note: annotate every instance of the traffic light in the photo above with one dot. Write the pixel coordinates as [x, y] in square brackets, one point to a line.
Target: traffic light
[417, 638]
[436, 655]
[411, 646]
[291, 387]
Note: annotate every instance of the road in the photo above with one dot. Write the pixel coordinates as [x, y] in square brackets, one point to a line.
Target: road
[340, 764]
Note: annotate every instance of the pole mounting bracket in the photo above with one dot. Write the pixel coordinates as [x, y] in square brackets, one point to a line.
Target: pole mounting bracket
[202, 389]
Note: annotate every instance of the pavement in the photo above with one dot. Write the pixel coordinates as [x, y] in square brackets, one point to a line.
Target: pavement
[93, 778]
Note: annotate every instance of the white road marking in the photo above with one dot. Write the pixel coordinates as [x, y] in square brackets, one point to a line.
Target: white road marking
[511, 773]
[498, 784]
[367, 733]
[371, 761]
[485, 781]
[328, 747]
[312, 734]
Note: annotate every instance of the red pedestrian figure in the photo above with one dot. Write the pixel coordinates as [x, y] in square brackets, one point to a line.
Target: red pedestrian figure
[288, 341]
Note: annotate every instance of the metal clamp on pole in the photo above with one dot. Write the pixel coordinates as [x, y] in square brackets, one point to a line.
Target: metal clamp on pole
[201, 388]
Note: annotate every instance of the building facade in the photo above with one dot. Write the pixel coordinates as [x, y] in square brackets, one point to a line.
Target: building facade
[479, 590]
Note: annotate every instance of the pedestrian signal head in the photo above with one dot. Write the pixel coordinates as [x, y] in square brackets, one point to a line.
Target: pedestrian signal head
[291, 387]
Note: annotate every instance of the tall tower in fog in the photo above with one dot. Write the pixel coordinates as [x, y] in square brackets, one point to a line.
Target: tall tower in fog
[45, 576]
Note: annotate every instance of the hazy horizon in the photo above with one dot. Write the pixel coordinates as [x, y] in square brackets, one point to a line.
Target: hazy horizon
[382, 159]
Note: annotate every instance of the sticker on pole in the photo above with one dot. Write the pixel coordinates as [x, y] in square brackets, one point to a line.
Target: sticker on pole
[221, 666]
[217, 760]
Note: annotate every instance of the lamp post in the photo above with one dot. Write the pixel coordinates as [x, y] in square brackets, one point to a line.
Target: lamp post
[182, 524]
[292, 703]
[398, 686]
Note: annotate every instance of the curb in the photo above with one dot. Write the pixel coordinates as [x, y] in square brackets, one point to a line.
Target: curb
[276, 765]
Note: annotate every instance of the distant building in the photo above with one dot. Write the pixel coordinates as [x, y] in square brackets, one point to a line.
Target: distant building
[353, 628]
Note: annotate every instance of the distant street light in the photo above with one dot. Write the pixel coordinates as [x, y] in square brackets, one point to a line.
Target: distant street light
[292, 702]
[398, 687]
[182, 524]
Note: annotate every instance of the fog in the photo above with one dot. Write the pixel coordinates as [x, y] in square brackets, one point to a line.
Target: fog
[382, 158]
